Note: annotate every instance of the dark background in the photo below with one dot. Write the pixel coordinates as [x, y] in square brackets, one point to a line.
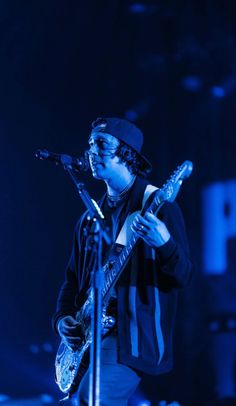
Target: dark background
[169, 66]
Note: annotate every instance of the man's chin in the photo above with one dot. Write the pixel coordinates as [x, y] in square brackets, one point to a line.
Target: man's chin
[97, 174]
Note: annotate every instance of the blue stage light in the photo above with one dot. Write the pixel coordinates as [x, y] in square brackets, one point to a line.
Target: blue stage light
[46, 399]
[4, 398]
[218, 91]
[131, 115]
[142, 8]
[137, 8]
[225, 88]
[214, 326]
[231, 324]
[47, 347]
[144, 403]
[192, 83]
[34, 349]
[174, 403]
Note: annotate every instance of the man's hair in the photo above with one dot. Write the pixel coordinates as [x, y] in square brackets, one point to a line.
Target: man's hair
[131, 159]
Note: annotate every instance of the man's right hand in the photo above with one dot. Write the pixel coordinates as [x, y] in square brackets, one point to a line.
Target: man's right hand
[71, 331]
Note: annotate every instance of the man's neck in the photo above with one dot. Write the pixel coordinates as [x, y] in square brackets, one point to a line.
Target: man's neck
[119, 184]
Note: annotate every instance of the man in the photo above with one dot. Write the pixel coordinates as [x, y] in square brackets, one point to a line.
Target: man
[144, 298]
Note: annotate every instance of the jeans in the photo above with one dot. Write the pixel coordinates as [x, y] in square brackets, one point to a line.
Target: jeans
[118, 382]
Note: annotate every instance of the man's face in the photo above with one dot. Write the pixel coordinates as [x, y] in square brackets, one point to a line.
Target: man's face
[103, 161]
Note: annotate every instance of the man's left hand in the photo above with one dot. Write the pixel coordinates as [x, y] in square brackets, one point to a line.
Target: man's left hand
[152, 230]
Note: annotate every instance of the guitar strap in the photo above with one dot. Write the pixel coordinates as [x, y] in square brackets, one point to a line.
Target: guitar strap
[125, 232]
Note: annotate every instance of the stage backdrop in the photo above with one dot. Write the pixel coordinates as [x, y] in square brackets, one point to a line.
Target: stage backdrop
[170, 68]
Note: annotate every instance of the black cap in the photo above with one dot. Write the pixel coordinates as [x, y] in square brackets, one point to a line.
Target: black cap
[126, 132]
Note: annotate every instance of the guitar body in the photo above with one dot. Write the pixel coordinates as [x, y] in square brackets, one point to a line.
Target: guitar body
[71, 365]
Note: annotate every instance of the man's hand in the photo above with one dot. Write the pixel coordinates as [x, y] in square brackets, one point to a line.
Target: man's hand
[152, 230]
[71, 331]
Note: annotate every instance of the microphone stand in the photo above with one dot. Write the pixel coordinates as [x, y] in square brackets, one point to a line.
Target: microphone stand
[100, 232]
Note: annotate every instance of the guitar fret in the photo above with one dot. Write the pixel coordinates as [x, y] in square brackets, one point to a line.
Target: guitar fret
[106, 281]
[107, 285]
[109, 279]
[128, 247]
[114, 269]
[123, 256]
[125, 251]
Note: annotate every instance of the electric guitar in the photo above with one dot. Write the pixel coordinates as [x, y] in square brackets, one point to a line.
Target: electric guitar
[71, 364]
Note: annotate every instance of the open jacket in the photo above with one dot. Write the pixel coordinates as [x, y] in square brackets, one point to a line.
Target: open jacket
[146, 291]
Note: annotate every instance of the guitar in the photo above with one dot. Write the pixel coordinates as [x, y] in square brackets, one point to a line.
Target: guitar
[71, 364]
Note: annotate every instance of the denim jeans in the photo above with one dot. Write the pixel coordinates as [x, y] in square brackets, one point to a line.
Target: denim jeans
[118, 382]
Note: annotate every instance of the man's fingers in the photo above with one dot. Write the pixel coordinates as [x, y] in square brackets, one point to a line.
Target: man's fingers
[140, 221]
[74, 344]
[70, 321]
[151, 218]
[69, 327]
[73, 332]
[73, 340]
[70, 333]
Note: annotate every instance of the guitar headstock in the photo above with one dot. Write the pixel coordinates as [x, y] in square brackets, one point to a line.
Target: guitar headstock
[171, 188]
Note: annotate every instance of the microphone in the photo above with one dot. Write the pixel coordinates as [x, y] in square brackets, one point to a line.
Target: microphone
[80, 164]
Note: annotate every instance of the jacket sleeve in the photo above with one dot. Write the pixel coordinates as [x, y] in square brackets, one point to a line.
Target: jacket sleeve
[66, 301]
[173, 256]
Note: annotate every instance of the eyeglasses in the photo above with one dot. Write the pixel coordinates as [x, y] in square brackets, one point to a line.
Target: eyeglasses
[102, 145]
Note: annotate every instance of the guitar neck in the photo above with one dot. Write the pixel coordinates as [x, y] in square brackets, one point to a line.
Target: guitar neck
[111, 275]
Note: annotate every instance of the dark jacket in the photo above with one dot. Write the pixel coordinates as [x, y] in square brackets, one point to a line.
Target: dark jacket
[146, 291]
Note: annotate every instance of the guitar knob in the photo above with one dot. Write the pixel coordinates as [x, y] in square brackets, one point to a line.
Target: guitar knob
[71, 368]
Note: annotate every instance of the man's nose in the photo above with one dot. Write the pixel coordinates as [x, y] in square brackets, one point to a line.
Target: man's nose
[93, 150]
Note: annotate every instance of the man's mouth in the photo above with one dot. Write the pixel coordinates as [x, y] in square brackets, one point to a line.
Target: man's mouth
[96, 163]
